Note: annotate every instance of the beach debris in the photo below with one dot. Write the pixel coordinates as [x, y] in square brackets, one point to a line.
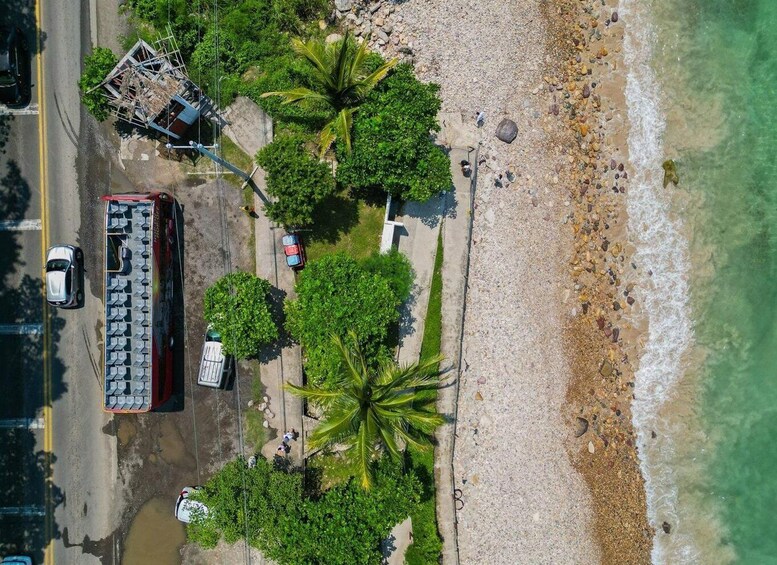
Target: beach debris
[591, 448]
[481, 380]
[614, 17]
[480, 119]
[653, 434]
[582, 426]
[670, 173]
[667, 527]
[586, 91]
[507, 130]
[478, 396]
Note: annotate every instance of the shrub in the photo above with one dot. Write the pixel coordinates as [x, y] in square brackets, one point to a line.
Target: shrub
[297, 180]
[237, 306]
[391, 145]
[97, 65]
[337, 295]
[394, 268]
[343, 525]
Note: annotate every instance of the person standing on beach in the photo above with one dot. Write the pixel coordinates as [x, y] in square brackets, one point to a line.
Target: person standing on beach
[480, 119]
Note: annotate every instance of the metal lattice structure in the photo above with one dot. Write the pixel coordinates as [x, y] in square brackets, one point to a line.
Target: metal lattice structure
[149, 87]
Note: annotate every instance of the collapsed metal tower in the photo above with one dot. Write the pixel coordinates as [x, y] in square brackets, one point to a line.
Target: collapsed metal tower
[149, 87]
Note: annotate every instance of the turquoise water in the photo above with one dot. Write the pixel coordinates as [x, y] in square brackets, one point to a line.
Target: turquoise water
[711, 86]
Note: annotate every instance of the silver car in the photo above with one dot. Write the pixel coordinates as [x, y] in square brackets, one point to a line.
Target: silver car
[64, 269]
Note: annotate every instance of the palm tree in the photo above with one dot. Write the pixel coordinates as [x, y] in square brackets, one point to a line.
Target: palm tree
[342, 82]
[371, 410]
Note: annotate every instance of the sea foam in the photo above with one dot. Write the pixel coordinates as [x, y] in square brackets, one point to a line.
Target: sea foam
[662, 250]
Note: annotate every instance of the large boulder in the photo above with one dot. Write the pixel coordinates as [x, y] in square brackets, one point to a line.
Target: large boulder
[507, 130]
[343, 5]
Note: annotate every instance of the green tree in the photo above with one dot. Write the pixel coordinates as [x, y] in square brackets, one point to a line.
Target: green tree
[97, 65]
[237, 306]
[375, 410]
[297, 181]
[268, 506]
[392, 150]
[394, 268]
[342, 80]
[334, 295]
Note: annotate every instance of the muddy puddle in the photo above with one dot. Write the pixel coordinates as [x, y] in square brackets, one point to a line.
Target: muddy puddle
[155, 536]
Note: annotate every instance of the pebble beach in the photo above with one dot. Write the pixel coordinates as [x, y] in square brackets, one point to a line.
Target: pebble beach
[545, 456]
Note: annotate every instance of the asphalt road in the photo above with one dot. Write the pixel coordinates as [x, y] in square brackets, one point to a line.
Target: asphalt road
[56, 455]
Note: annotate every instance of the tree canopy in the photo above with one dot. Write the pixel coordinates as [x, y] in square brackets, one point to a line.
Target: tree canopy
[291, 525]
[335, 295]
[97, 65]
[298, 181]
[372, 410]
[341, 78]
[237, 306]
[392, 150]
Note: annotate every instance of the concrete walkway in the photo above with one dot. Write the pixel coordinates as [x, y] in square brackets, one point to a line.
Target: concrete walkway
[456, 240]
[418, 241]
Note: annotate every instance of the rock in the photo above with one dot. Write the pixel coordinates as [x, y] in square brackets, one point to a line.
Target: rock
[333, 38]
[653, 435]
[507, 130]
[630, 300]
[344, 5]
[478, 396]
[250, 403]
[379, 21]
[481, 380]
[616, 305]
[670, 173]
[388, 28]
[262, 406]
[265, 424]
[591, 448]
[374, 8]
[582, 426]
[667, 527]
[265, 399]
[321, 25]
[406, 50]
[583, 130]
[382, 36]
[614, 19]
[586, 91]
[606, 369]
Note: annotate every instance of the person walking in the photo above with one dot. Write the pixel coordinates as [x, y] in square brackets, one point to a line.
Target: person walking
[250, 210]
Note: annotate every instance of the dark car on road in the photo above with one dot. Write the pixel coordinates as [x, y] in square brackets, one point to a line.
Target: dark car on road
[15, 89]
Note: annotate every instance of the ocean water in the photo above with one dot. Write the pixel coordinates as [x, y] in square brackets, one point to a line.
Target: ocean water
[702, 90]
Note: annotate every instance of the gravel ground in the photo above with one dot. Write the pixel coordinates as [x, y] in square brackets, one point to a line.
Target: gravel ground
[523, 500]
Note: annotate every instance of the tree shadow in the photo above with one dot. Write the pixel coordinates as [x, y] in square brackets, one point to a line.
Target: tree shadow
[276, 297]
[334, 217]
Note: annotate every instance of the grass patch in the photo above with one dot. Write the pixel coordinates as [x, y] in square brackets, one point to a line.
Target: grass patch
[233, 154]
[427, 544]
[255, 432]
[342, 223]
[430, 345]
[333, 469]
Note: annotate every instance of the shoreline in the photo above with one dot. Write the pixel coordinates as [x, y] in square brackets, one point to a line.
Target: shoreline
[604, 341]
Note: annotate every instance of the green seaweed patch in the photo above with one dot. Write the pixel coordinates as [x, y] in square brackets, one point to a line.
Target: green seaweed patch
[670, 173]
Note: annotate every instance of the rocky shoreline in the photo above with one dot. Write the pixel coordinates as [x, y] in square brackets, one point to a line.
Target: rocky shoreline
[603, 335]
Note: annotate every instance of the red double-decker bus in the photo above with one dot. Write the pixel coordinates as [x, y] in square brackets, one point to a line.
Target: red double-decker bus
[139, 250]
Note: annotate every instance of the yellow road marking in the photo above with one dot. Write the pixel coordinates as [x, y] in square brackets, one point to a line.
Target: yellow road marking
[47, 428]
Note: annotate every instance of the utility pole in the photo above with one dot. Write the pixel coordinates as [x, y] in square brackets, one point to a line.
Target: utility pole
[205, 150]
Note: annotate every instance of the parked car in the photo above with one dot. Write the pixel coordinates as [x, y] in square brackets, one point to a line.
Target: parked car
[186, 509]
[15, 88]
[17, 560]
[294, 251]
[215, 367]
[64, 273]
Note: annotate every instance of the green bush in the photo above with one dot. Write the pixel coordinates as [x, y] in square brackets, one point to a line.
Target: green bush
[392, 148]
[343, 525]
[395, 268]
[336, 295]
[97, 65]
[298, 181]
[237, 306]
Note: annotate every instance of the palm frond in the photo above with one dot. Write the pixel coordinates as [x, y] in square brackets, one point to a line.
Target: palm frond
[343, 123]
[316, 54]
[316, 395]
[354, 360]
[326, 138]
[364, 451]
[341, 70]
[297, 95]
[334, 428]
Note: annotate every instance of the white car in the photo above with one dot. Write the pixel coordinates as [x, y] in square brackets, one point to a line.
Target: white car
[186, 509]
[64, 270]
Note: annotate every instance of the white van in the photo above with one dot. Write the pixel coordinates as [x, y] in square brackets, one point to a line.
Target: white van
[215, 367]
